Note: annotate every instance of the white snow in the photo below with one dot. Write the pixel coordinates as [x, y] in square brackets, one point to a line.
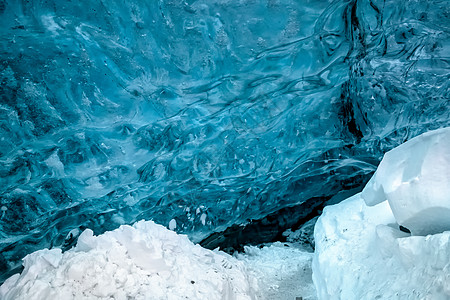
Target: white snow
[361, 254]
[143, 261]
[415, 179]
[148, 261]
[283, 271]
[360, 251]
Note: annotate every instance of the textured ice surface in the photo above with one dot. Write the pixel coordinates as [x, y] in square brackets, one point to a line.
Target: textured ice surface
[143, 261]
[415, 179]
[362, 254]
[208, 113]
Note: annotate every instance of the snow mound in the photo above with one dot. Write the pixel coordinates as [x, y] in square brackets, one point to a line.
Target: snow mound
[361, 254]
[143, 261]
[415, 179]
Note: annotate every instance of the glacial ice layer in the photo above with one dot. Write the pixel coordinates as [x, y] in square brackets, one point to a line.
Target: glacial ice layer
[360, 251]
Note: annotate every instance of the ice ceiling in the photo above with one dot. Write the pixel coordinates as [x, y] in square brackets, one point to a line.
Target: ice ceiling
[207, 113]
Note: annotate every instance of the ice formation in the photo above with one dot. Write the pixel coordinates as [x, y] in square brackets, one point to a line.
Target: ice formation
[204, 114]
[360, 251]
[143, 261]
[415, 179]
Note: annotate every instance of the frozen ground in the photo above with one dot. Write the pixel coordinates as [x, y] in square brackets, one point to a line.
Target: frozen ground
[283, 271]
[148, 261]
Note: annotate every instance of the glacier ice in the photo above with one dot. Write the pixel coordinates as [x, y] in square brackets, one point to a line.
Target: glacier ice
[361, 253]
[209, 113]
[414, 178]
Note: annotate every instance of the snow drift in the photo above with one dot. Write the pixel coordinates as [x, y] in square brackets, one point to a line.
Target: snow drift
[143, 261]
[360, 251]
[147, 261]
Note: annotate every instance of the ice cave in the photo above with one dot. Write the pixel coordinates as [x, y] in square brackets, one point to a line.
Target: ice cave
[225, 149]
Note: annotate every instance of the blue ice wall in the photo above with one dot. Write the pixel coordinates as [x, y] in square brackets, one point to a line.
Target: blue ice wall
[208, 112]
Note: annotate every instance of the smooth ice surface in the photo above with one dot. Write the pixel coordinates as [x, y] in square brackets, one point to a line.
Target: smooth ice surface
[147, 261]
[362, 254]
[203, 114]
[415, 179]
[143, 261]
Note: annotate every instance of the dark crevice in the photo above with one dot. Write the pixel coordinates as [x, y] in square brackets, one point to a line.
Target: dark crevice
[346, 114]
[404, 229]
[266, 230]
[270, 228]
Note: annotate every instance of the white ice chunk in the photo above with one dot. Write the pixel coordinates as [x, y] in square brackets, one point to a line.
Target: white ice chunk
[203, 219]
[415, 179]
[173, 224]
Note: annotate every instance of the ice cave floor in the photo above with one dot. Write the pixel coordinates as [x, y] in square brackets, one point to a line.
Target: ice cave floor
[148, 261]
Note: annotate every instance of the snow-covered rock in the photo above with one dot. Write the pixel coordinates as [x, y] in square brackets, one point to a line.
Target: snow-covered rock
[143, 261]
[415, 179]
[361, 252]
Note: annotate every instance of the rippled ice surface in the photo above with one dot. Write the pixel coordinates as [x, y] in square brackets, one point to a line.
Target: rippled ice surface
[209, 113]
